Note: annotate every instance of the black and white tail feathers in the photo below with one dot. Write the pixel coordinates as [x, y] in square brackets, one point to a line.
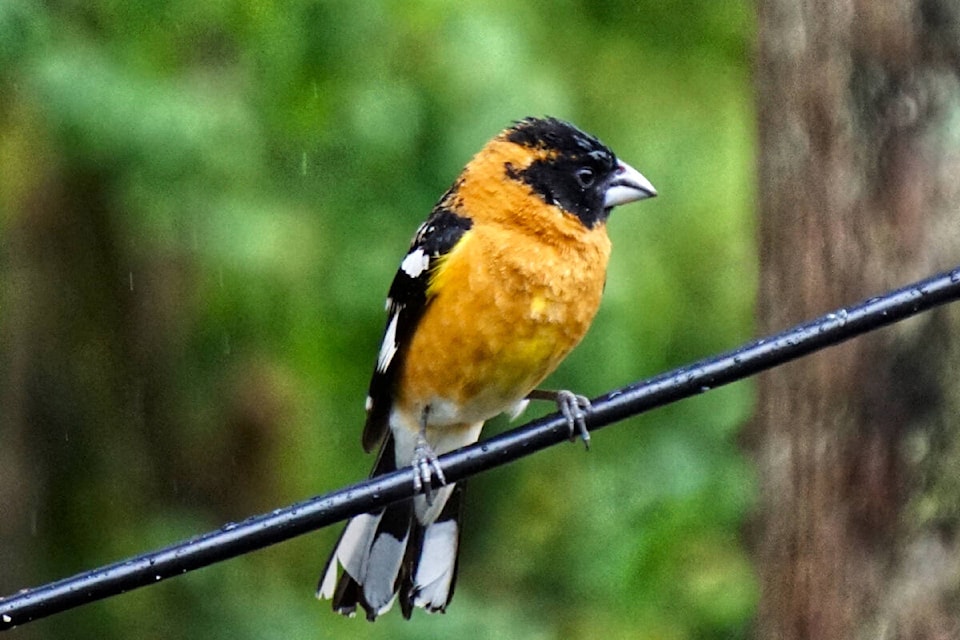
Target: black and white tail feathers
[389, 553]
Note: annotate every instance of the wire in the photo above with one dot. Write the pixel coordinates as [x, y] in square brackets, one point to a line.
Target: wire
[257, 532]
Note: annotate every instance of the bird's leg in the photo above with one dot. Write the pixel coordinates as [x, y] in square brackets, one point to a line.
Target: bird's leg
[571, 406]
[425, 463]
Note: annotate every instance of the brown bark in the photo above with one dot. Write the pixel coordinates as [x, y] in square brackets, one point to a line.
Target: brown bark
[858, 447]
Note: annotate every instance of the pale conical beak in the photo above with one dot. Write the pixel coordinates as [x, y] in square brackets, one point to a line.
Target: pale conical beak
[627, 185]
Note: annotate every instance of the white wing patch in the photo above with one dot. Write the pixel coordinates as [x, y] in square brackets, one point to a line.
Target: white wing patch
[416, 262]
[389, 347]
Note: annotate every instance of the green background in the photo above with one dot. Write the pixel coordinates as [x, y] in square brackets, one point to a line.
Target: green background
[257, 170]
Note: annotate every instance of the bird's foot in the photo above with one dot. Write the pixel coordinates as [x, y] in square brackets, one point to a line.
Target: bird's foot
[572, 406]
[575, 409]
[426, 466]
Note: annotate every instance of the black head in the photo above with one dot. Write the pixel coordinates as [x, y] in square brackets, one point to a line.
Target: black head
[575, 171]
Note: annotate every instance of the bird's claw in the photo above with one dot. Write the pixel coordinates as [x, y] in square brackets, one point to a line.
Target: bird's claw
[575, 408]
[425, 467]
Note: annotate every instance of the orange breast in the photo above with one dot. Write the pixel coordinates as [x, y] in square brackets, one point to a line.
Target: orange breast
[505, 312]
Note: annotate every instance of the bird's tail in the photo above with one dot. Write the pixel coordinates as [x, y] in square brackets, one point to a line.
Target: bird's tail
[390, 553]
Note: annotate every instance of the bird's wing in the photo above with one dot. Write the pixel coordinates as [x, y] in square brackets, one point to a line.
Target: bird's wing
[406, 303]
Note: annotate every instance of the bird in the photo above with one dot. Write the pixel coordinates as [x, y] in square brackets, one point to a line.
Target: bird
[499, 284]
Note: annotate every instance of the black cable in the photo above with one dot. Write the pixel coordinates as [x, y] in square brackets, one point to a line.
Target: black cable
[261, 531]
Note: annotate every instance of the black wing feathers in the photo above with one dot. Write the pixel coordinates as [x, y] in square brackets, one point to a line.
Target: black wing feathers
[406, 302]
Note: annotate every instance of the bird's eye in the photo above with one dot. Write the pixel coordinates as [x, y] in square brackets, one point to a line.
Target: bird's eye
[585, 177]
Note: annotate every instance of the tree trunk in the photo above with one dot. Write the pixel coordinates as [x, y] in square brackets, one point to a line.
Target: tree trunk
[858, 447]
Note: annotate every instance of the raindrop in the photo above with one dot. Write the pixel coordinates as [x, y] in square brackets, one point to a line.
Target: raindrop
[704, 389]
[130, 274]
[303, 163]
[7, 619]
[840, 317]
[157, 578]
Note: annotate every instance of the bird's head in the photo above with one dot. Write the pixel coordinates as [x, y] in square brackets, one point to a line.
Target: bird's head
[573, 170]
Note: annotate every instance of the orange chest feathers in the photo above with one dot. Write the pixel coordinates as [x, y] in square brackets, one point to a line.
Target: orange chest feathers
[502, 316]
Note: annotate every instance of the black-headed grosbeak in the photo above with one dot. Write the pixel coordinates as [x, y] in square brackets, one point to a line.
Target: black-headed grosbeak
[499, 284]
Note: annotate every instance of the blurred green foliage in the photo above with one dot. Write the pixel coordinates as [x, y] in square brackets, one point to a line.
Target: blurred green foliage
[202, 206]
